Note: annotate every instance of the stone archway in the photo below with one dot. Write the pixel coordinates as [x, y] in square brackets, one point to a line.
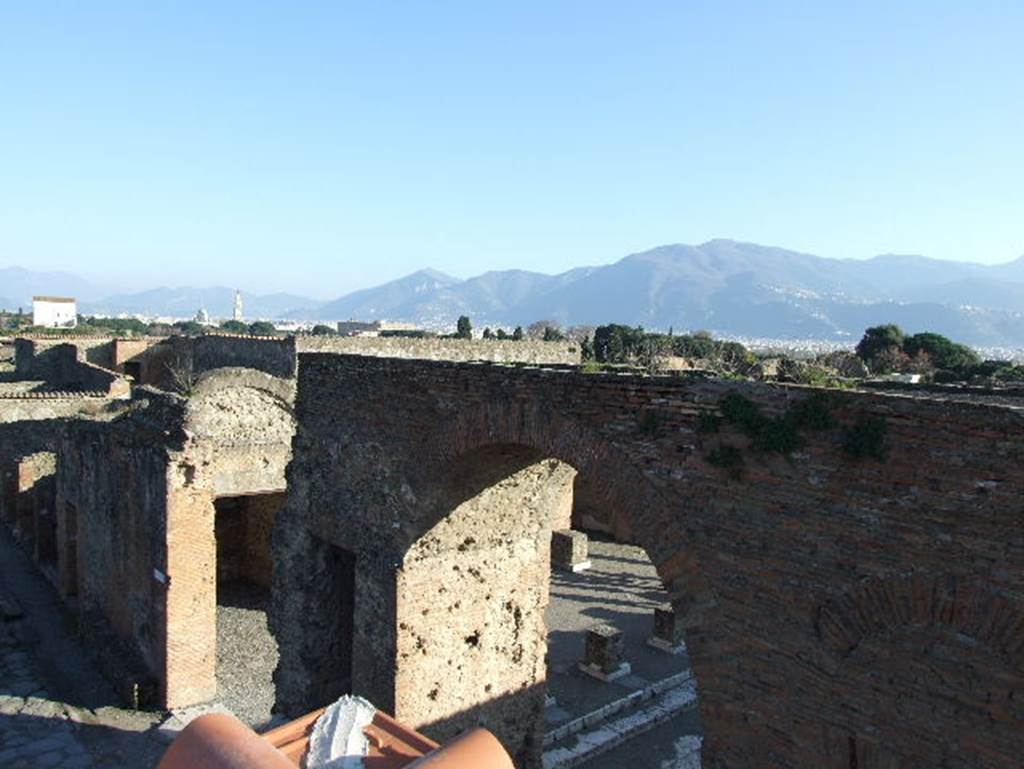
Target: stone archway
[774, 541]
[451, 544]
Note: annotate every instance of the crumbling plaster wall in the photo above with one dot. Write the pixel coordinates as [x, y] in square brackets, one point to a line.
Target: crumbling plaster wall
[767, 568]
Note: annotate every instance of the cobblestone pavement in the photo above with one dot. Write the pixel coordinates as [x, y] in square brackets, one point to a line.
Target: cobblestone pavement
[55, 710]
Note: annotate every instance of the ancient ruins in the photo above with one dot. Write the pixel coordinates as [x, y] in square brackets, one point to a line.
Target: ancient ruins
[396, 504]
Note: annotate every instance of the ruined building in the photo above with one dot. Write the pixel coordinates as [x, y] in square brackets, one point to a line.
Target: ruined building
[842, 606]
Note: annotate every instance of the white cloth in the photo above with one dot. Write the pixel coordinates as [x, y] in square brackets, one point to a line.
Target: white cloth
[337, 740]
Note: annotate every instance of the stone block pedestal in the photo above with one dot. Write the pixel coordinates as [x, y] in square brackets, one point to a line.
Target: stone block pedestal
[603, 654]
[668, 631]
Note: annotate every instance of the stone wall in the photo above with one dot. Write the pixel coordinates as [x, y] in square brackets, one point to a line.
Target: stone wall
[151, 360]
[35, 523]
[130, 351]
[34, 355]
[112, 529]
[44, 406]
[30, 424]
[821, 594]
[434, 348]
[134, 537]
[64, 365]
[271, 355]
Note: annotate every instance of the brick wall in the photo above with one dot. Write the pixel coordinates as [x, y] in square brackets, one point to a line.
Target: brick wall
[799, 663]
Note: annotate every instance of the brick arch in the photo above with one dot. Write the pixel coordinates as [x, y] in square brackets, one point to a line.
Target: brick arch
[654, 517]
[963, 605]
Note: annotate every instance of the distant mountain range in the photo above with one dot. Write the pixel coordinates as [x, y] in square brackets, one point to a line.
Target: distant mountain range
[184, 302]
[728, 287]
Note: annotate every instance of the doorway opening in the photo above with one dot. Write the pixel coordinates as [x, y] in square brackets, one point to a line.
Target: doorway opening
[616, 656]
[246, 651]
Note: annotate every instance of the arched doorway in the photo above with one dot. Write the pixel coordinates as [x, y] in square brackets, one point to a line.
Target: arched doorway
[451, 561]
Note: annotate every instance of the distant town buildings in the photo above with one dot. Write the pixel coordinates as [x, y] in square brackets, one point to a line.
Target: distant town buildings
[238, 306]
[54, 311]
[202, 316]
[372, 328]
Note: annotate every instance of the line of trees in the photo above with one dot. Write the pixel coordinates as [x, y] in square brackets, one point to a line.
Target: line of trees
[614, 343]
[887, 349]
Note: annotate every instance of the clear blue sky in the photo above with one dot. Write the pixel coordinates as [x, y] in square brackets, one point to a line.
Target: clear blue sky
[323, 147]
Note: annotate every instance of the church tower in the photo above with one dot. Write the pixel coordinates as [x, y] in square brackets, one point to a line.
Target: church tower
[238, 305]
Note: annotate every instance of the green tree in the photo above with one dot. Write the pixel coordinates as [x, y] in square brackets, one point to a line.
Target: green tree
[463, 328]
[617, 344]
[944, 353]
[488, 334]
[321, 330]
[518, 334]
[552, 334]
[878, 339]
[234, 327]
[262, 328]
[501, 334]
[117, 325]
[652, 350]
[189, 328]
[889, 361]
[586, 349]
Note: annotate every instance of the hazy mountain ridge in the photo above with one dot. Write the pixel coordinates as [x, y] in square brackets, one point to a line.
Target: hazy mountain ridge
[18, 285]
[725, 286]
[185, 301]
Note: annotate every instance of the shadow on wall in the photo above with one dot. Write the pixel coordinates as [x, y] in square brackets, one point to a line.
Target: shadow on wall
[472, 474]
[494, 715]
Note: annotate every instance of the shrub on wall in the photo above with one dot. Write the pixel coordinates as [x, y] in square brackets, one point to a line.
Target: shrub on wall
[866, 438]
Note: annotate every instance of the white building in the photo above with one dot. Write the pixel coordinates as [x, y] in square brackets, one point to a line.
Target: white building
[238, 306]
[54, 311]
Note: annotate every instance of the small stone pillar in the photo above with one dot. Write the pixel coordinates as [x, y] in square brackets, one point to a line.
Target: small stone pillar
[668, 631]
[602, 657]
[569, 550]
